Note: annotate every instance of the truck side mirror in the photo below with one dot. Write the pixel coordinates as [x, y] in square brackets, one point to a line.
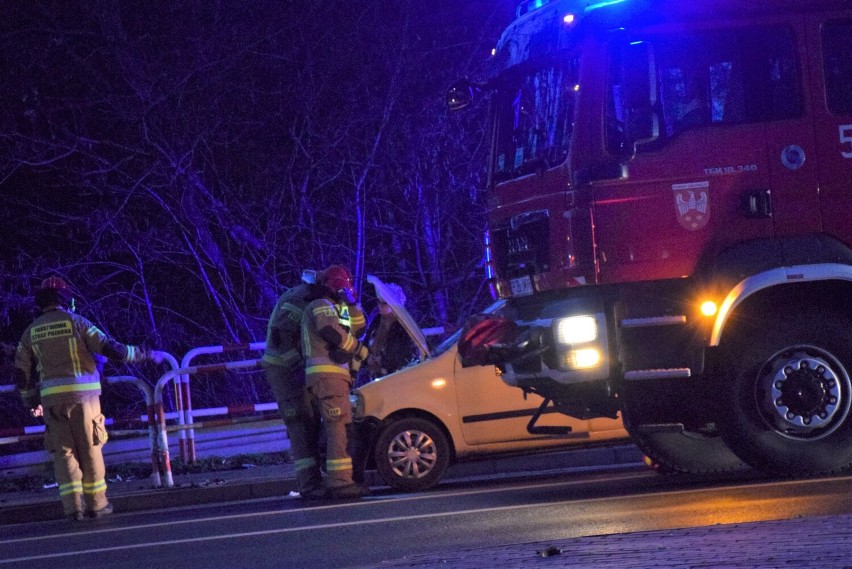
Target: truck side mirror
[640, 92]
[460, 95]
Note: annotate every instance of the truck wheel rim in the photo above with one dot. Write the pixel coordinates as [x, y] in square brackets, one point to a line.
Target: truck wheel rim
[804, 393]
[412, 454]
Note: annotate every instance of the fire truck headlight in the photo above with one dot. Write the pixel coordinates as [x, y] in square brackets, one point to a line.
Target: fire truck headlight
[575, 330]
[580, 343]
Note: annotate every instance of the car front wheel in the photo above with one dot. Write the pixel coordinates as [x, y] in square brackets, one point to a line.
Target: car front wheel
[412, 454]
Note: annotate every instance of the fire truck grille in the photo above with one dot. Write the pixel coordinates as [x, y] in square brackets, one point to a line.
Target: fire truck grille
[522, 245]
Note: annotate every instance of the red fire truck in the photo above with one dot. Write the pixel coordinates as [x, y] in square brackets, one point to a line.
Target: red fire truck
[671, 223]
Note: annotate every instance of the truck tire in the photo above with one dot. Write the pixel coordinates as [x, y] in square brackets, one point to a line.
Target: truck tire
[786, 395]
[689, 450]
[685, 452]
[412, 454]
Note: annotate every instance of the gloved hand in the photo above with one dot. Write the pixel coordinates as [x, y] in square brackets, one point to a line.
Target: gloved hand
[361, 354]
[357, 359]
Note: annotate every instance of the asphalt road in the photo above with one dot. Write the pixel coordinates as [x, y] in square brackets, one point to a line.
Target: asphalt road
[284, 532]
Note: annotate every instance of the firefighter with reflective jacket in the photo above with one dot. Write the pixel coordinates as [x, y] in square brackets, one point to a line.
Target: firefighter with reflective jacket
[285, 373]
[58, 379]
[330, 329]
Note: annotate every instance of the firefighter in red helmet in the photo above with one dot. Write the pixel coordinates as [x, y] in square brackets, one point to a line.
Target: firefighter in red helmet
[331, 326]
[58, 379]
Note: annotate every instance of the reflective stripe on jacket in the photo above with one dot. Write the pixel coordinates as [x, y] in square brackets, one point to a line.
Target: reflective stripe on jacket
[56, 356]
[85, 384]
[330, 337]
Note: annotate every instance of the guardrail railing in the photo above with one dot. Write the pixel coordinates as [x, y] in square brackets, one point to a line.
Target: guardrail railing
[184, 399]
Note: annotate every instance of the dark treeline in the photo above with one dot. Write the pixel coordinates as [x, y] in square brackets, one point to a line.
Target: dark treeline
[180, 163]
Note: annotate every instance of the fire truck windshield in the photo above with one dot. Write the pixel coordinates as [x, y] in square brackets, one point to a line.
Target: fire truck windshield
[534, 113]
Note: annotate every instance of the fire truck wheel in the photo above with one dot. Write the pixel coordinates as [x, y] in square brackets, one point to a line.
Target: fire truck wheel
[412, 454]
[786, 394]
[686, 452]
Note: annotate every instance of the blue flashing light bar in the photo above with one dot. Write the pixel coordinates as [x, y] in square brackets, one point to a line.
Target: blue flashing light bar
[532, 5]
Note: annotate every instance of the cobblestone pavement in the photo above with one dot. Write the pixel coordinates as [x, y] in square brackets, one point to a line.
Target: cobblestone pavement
[817, 542]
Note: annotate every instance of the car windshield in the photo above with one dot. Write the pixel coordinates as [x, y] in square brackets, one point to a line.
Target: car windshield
[534, 113]
[453, 338]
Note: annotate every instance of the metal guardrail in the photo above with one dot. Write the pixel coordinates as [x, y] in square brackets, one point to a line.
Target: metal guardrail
[184, 398]
[165, 464]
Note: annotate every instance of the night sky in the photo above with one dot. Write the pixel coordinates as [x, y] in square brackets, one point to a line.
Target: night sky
[180, 163]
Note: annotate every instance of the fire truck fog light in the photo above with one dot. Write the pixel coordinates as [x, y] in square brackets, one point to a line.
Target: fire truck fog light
[583, 359]
[709, 308]
[575, 330]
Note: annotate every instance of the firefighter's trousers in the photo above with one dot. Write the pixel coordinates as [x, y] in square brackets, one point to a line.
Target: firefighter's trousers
[302, 420]
[75, 435]
[330, 392]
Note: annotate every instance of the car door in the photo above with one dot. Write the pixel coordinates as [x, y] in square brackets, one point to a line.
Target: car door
[490, 411]
[493, 412]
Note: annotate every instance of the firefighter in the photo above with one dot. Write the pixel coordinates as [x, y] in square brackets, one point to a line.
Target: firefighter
[58, 379]
[331, 326]
[285, 373]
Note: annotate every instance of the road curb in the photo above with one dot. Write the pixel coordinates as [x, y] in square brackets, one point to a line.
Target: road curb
[233, 486]
[224, 492]
[158, 498]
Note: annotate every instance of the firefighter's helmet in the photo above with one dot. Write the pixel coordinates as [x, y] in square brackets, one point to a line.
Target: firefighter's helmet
[53, 282]
[54, 291]
[338, 280]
